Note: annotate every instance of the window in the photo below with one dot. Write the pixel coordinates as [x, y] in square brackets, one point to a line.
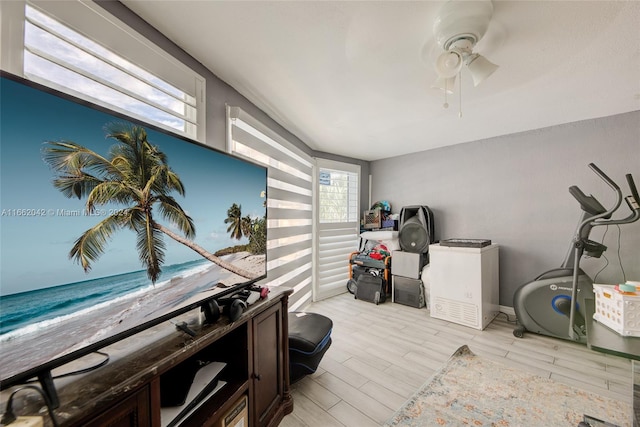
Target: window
[337, 196]
[61, 48]
[289, 202]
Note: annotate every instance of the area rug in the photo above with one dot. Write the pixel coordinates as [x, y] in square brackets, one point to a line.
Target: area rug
[473, 391]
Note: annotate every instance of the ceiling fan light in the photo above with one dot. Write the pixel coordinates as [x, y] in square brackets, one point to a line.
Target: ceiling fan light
[480, 68]
[444, 84]
[449, 64]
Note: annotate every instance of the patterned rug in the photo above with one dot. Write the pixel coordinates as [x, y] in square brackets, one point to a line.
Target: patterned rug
[472, 391]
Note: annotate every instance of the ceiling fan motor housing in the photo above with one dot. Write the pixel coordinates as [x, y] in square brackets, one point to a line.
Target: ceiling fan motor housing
[458, 20]
[457, 28]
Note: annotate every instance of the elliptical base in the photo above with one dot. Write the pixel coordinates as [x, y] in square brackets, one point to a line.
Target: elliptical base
[542, 306]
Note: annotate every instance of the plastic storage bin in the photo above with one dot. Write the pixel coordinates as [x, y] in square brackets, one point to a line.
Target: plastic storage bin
[617, 311]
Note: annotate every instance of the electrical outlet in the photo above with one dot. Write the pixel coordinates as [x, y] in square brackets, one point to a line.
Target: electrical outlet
[28, 422]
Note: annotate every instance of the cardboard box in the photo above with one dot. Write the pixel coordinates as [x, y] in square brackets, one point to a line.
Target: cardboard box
[237, 416]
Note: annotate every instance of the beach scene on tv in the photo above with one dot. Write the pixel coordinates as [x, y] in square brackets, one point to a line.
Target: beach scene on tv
[107, 224]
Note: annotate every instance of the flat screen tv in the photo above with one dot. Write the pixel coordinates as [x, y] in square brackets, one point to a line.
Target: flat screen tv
[110, 226]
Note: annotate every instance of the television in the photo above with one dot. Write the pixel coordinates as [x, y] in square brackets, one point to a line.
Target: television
[110, 226]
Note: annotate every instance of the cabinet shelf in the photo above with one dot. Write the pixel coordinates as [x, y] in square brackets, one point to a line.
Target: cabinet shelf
[206, 383]
[211, 410]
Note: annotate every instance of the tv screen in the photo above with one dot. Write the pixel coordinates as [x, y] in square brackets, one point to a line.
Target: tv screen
[110, 226]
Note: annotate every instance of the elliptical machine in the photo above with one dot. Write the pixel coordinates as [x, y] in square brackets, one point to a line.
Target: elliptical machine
[543, 306]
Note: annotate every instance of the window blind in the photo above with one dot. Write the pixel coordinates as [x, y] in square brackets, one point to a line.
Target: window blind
[289, 202]
[60, 46]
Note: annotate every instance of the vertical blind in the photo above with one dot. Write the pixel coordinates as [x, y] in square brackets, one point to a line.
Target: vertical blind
[289, 202]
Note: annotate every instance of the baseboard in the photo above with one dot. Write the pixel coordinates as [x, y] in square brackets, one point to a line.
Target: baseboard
[507, 310]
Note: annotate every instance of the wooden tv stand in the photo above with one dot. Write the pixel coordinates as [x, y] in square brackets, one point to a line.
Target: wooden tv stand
[127, 391]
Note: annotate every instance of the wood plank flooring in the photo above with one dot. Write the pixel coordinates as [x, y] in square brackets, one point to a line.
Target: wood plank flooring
[382, 354]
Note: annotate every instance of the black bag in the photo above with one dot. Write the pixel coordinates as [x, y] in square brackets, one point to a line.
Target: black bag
[370, 288]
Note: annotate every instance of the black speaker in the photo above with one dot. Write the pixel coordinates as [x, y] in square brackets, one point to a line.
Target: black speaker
[415, 231]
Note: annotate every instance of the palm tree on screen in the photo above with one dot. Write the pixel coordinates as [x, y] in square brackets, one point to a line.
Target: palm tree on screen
[234, 219]
[239, 225]
[136, 175]
[247, 225]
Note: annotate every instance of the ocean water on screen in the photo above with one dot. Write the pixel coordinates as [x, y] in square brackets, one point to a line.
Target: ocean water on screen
[28, 312]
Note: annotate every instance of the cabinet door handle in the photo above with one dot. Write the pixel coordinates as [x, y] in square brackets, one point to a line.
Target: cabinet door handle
[257, 376]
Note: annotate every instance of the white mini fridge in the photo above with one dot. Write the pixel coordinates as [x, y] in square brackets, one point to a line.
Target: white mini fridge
[464, 284]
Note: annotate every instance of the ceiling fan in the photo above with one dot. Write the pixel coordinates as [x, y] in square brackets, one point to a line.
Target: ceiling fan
[457, 28]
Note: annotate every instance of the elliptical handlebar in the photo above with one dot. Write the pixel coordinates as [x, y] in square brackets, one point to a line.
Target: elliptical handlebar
[634, 192]
[633, 201]
[608, 212]
[604, 176]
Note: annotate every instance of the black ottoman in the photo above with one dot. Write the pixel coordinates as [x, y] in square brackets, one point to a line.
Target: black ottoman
[309, 339]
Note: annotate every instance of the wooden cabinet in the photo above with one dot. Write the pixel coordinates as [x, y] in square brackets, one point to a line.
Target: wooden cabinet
[131, 411]
[267, 375]
[127, 392]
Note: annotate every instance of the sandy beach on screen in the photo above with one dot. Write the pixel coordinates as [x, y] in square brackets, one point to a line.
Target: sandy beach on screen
[76, 333]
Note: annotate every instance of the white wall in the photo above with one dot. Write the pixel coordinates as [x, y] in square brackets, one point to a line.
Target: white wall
[513, 190]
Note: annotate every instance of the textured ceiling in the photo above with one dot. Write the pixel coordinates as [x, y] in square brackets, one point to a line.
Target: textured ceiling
[354, 77]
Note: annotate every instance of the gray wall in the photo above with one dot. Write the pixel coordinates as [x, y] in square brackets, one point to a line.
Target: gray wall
[513, 190]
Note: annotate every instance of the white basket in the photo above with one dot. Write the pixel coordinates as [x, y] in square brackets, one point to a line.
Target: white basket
[617, 311]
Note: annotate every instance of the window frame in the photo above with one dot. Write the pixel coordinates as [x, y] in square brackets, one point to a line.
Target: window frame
[98, 25]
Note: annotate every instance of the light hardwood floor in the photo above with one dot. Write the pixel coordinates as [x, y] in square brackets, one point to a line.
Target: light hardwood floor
[382, 354]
